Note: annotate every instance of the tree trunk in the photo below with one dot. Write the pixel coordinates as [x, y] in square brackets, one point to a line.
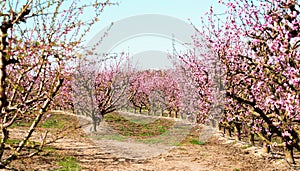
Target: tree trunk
[266, 148]
[180, 115]
[229, 132]
[238, 131]
[289, 154]
[94, 125]
[251, 139]
[3, 97]
[213, 123]
[94, 128]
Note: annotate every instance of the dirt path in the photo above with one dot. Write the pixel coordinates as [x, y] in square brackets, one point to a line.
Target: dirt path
[214, 155]
[111, 142]
[218, 153]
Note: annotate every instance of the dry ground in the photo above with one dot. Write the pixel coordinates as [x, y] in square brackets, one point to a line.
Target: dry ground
[218, 153]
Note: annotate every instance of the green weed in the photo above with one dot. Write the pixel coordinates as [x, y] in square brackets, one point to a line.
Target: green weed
[196, 142]
[68, 163]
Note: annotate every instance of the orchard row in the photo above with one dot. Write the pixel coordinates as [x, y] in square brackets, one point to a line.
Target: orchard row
[243, 70]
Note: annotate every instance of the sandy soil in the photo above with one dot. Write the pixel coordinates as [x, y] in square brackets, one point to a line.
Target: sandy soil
[219, 153]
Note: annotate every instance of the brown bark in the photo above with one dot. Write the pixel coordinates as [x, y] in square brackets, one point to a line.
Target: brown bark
[289, 154]
[251, 139]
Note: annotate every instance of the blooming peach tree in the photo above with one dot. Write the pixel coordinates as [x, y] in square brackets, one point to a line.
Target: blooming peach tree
[37, 40]
[257, 43]
[101, 90]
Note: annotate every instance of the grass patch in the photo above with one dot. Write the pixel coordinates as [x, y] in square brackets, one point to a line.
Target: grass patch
[151, 141]
[13, 141]
[20, 123]
[29, 144]
[56, 121]
[192, 136]
[68, 163]
[138, 130]
[48, 148]
[177, 144]
[246, 146]
[138, 121]
[51, 123]
[196, 142]
[146, 134]
[162, 129]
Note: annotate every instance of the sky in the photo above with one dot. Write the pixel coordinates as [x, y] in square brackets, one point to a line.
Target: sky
[181, 9]
[150, 52]
[147, 43]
